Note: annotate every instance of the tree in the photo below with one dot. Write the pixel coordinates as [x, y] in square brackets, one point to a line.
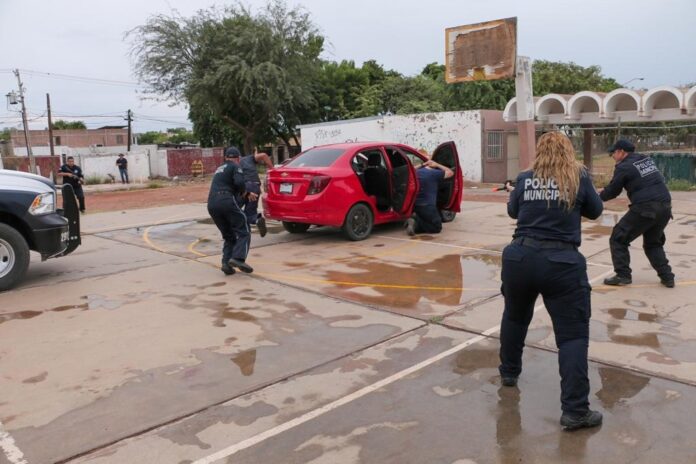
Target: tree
[62, 125]
[252, 72]
[152, 138]
[569, 78]
[5, 134]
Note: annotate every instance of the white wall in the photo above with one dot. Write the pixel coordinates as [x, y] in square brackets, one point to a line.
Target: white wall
[425, 130]
[101, 165]
[158, 163]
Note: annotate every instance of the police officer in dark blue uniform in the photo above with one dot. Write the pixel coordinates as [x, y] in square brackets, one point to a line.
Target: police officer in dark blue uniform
[252, 184]
[648, 214]
[72, 174]
[224, 200]
[543, 258]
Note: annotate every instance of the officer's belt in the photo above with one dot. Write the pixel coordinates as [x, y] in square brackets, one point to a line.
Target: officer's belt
[534, 243]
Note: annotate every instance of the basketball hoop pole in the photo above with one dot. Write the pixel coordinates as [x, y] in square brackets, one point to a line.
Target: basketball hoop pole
[525, 111]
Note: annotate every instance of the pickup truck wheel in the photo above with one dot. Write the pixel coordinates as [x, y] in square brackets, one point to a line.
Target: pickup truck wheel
[14, 257]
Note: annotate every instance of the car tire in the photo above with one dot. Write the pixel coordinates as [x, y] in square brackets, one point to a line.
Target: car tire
[358, 223]
[14, 257]
[295, 227]
[447, 215]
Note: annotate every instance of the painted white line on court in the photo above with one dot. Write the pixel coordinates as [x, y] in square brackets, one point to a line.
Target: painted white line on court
[9, 448]
[270, 433]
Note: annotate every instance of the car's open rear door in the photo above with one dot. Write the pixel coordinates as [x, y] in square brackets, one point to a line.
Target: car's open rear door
[446, 155]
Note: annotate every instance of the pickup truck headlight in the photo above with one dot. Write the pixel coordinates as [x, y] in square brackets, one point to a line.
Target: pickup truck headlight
[43, 204]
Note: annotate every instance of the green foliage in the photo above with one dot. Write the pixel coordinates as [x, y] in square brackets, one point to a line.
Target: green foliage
[568, 78]
[176, 135]
[253, 73]
[5, 134]
[681, 185]
[152, 138]
[93, 180]
[61, 125]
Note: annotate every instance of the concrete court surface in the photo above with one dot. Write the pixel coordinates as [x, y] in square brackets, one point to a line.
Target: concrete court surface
[137, 349]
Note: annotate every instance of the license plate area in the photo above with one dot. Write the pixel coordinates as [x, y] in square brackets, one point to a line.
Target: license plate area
[286, 187]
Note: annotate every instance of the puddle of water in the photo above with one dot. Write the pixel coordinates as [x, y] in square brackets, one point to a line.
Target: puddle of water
[37, 378]
[473, 359]
[246, 360]
[619, 385]
[451, 272]
[19, 315]
[644, 338]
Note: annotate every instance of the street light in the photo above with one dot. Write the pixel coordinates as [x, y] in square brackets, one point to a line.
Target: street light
[634, 79]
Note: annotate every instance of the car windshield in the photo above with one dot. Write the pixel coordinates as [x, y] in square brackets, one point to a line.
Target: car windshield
[316, 158]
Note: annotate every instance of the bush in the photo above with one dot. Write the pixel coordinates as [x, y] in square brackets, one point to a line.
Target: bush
[94, 179]
[680, 185]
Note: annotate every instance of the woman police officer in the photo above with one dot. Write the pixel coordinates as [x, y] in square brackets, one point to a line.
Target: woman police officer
[543, 258]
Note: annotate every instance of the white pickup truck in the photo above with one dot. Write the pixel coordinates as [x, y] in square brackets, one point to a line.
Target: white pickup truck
[29, 220]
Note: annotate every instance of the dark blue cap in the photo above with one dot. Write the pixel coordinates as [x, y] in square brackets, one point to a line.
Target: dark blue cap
[232, 152]
[622, 144]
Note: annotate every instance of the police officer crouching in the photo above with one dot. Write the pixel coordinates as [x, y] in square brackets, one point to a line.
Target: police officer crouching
[543, 258]
[224, 200]
[648, 214]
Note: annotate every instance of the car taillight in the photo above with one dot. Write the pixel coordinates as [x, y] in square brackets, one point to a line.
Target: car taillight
[317, 184]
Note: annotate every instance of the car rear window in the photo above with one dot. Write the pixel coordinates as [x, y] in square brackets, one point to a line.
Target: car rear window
[316, 158]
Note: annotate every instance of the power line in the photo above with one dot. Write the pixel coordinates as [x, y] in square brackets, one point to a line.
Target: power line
[94, 80]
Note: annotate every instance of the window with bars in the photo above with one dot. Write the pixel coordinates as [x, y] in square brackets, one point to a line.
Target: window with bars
[495, 146]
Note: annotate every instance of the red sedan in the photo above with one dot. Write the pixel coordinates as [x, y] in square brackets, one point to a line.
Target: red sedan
[355, 186]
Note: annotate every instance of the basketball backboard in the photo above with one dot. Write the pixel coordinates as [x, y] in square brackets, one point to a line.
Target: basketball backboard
[482, 51]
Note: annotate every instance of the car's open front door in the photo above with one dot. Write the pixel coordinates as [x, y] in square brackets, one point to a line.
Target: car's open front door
[72, 214]
[449, 196]
[403, 180]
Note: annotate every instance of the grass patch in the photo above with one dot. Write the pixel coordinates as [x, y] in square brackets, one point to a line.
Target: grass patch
[155, 185]
[680, 185]
[94, 180]
[436, 319]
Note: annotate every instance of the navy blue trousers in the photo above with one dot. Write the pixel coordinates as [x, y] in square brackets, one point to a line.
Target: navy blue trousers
[428, 220]
[560, 277]
[251, 208]
[232, 223]
[648, 220]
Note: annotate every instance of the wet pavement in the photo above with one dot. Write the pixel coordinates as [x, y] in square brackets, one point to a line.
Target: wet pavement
[137, 349]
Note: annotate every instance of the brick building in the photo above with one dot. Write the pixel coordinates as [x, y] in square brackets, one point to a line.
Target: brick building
[106, 136]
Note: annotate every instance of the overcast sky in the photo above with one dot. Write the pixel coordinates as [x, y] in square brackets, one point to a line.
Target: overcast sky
[652, 39]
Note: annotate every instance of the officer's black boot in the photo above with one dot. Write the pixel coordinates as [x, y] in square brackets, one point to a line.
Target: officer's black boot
[261, 224]
[227, 269]
[589, 419]
[241, 265]
[617, 280]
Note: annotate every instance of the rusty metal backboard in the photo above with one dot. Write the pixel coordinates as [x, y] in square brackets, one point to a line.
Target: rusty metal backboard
[482, 51]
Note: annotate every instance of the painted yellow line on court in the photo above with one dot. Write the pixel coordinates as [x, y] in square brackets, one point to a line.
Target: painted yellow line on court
[678, 283]
[282, 277]
[146, 238]
[193, 245]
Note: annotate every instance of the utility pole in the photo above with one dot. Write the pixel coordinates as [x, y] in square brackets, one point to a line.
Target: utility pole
[129, 118]
[50, 125]
[32, 161]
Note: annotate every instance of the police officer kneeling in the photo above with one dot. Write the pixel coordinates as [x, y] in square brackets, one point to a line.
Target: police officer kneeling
[648, 214]
[224, 200]
[543, 258]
